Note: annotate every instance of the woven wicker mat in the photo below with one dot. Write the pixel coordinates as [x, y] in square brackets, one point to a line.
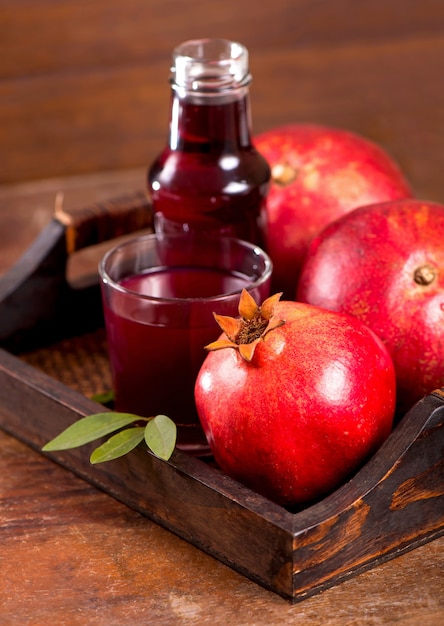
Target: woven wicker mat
[80, 363]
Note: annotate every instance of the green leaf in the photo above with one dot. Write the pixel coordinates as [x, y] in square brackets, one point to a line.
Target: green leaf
[106, 397]
[88, 429]
[160, 436]
[118, 445]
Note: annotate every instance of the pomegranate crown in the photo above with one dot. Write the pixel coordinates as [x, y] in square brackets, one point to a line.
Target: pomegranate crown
[245, 332]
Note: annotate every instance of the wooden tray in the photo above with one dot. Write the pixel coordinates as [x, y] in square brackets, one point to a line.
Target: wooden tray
[393, 504]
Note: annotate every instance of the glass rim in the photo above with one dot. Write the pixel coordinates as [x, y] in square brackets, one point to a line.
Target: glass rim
[209, 66]
[260, 252]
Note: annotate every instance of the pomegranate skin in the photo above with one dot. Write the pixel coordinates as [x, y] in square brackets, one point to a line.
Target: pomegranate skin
[384, 264]
[318, 174]
[316, 400]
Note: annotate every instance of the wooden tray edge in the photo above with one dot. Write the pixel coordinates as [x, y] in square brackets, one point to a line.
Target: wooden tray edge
[294, 555]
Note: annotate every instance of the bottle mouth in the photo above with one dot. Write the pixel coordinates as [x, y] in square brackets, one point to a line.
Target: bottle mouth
[209, 65]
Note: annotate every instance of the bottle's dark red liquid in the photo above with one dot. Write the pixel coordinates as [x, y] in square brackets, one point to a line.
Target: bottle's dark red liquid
[210, 177]
[154, 365]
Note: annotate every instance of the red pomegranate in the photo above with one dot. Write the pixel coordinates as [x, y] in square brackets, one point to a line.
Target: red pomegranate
[318, 174]
[294, 398]
[384, 264]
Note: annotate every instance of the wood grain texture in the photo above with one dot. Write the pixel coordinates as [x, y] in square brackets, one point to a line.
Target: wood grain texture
[72, 555]
[84, 84]
[40, 276]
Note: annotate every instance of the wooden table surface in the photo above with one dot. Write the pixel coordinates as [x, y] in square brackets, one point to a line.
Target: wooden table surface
[71, 554]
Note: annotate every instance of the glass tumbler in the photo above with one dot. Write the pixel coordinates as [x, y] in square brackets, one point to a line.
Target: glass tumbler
[159, 294]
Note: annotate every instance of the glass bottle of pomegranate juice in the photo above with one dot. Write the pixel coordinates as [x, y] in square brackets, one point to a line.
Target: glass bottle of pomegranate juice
[210, 177]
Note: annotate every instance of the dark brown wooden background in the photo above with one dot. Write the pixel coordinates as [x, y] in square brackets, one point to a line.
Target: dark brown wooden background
[84, 84]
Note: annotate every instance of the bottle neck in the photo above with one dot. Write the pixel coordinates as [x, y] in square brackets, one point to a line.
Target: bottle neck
[211, 123]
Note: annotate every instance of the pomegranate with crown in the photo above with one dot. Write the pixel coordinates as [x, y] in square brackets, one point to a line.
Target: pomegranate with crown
[384, 264]
[318, 174]
[294, 398]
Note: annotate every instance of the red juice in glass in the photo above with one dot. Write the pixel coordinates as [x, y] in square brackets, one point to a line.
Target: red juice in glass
[147, 356]
[160, 319]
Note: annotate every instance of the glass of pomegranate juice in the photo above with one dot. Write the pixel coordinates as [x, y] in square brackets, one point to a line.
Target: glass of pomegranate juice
[159, 293]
